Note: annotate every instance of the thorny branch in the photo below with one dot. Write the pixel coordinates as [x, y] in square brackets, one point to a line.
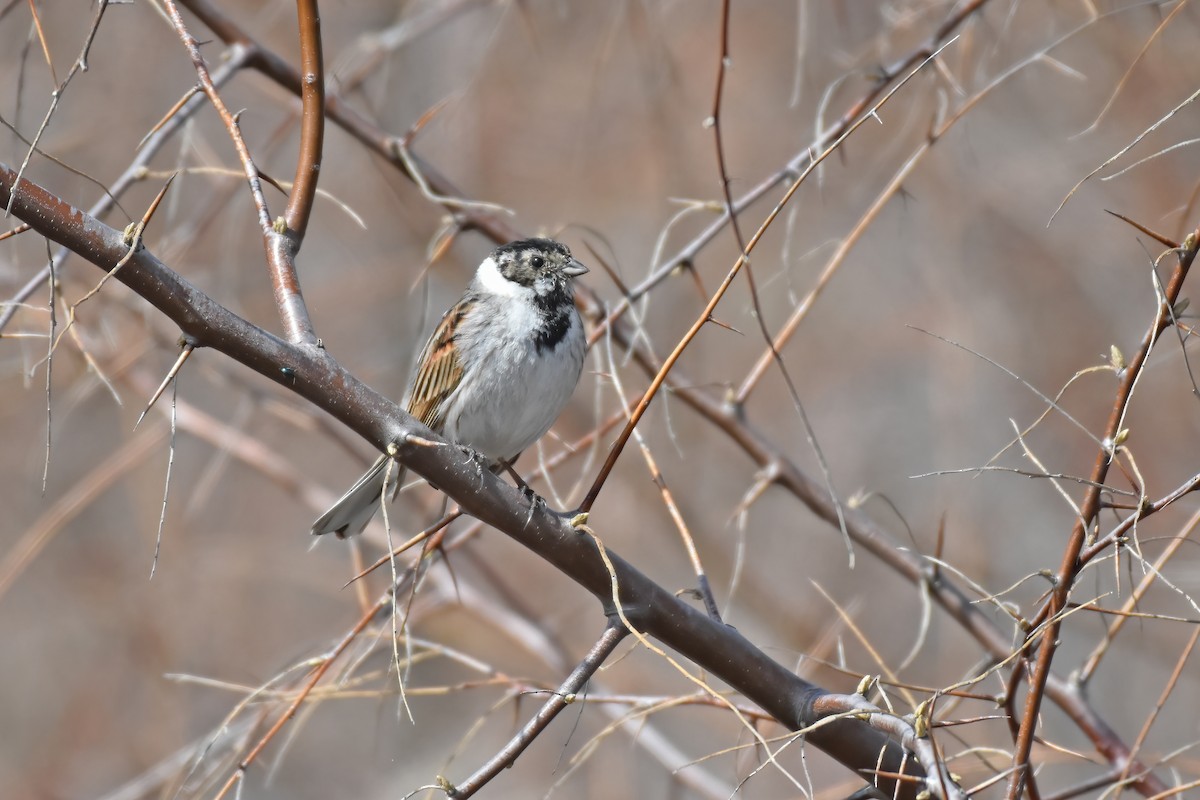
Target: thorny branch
[1089, 508]
[310, 372]
[557, 701]
[163, 133]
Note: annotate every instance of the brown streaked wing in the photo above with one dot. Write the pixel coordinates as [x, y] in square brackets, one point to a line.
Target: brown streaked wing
[440, 370]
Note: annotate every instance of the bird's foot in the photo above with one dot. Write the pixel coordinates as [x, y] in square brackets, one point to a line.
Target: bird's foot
[573, 517]
[480, 461]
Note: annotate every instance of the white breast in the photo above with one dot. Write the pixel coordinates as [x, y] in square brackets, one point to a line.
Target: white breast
[510, 394]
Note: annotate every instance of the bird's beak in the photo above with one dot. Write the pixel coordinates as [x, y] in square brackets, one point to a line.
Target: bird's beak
[575, 269]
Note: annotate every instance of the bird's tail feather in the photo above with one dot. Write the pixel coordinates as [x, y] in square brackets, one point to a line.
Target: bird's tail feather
[353, 510]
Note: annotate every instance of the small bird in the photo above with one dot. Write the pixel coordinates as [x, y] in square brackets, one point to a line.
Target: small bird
[496, 372]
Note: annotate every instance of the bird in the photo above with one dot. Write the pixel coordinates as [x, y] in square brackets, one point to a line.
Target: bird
[496, 372]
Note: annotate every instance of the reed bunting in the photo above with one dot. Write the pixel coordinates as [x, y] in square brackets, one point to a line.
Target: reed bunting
[496, 372]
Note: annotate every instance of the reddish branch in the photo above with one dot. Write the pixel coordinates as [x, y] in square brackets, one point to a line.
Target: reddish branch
[1084, 525]
[312, 123]
[280, 247]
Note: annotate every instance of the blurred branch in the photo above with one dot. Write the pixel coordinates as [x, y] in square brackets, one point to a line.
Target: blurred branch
[133, 173]
[707, 313]
[83, 492]
[937, 132]
[314, 677]
[79, 65]
[345, 116]
[413, 23]
[1172, 682]
[884, 78]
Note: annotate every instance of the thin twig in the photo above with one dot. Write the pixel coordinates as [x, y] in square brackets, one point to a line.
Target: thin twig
[556, 702]
[706, 314]
[1065, 579]
[80, 64]
[150, 147]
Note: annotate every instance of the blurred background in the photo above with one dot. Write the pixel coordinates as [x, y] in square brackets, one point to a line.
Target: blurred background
[587, 121]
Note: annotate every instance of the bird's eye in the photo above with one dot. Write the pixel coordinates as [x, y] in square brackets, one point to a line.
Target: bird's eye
[538, 262]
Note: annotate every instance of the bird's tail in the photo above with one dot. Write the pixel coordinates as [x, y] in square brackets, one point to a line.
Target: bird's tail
[353, 510]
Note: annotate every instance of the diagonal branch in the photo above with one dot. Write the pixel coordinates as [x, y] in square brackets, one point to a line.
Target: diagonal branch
[784, 473]
[1089, 509]
[558, 700]
[707, 314]
[316, 376]
[136, 170]
[866, 533]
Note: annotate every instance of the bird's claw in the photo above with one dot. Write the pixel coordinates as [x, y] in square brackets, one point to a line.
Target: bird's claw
[535, 500]
[476, 458]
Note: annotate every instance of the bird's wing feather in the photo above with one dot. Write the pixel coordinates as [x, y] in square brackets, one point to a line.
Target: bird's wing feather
[440, 370]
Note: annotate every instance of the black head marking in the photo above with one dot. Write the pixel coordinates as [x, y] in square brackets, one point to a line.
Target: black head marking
[546, 267]
[536, 263]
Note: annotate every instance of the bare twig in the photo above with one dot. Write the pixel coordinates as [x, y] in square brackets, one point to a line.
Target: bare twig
[706, 314]
[79, 65]
[132, 174]
[556, 702]
[317, 673]
[1065, 579]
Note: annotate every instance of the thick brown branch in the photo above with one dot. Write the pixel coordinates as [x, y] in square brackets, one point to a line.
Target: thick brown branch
[314, 375]
[868, 534]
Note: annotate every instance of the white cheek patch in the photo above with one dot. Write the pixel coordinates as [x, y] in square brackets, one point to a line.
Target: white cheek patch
[491, 280]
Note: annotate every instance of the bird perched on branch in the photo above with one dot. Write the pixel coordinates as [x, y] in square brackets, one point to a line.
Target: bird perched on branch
[497, 371]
